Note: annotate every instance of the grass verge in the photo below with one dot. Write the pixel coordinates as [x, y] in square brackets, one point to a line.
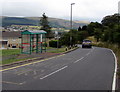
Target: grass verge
[12, 60]
[15, 53]
[59, 50]
[7, 52]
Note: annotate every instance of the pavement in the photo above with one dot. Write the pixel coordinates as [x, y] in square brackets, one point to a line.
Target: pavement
[82, 69]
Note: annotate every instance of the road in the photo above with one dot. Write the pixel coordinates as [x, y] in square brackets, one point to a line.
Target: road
[82, 69]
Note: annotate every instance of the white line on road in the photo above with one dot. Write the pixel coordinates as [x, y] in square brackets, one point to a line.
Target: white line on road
[14, 83]
[78, 60]
[88, 53]
[92, 49]
[54, 72]
[115, 73]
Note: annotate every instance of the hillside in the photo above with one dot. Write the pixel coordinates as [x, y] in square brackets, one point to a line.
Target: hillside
[54, 22]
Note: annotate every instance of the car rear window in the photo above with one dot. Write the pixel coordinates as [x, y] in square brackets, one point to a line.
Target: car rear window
[86, 41]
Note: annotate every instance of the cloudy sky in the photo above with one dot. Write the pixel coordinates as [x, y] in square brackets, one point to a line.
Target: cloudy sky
[91, 10]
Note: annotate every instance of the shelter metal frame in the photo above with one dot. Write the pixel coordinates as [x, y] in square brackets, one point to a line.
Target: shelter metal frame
[33, 41]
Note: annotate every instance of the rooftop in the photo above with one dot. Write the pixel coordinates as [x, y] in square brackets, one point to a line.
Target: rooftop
[11, 34]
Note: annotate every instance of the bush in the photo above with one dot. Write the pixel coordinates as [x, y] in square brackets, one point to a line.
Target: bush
[53, 43]
[45, 44]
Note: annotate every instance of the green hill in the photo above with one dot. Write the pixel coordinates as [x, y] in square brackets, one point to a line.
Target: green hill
[54, 22]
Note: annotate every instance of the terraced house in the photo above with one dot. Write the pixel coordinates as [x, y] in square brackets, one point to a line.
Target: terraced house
[10, 39]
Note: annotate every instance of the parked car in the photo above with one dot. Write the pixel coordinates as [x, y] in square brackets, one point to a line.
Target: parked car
[87, 44]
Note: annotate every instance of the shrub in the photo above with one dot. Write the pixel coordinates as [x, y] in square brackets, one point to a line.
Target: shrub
[45, 44]
[54, 43]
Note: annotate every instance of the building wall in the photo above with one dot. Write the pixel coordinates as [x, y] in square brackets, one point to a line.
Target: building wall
[12, 42]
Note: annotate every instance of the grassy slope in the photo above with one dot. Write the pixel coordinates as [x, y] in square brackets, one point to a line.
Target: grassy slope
[54, 22]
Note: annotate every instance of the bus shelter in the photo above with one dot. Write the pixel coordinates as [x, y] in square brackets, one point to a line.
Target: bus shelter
[33, 41]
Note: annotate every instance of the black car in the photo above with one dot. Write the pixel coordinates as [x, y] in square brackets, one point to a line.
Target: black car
[87, 44]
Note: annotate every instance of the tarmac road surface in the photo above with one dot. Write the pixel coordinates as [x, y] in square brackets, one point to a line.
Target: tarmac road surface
[82, 69]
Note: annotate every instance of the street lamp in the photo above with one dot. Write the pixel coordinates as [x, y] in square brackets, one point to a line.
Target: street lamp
[57, 37]
[71, 24]
[71, 15]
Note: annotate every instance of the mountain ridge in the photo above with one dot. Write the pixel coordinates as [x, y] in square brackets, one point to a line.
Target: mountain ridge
[54, 22]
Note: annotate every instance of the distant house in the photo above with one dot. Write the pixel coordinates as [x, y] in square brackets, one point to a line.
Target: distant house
[10, 40]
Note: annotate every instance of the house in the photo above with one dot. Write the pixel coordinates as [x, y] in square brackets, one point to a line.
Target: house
[10, 39]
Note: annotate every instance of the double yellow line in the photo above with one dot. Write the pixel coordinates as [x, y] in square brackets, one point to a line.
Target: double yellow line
[30, 63]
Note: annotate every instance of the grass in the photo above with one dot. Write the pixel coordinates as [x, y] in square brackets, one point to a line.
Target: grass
[7, 52]
[50, 48]
[12, 60]
[92, 39]
[59, 50]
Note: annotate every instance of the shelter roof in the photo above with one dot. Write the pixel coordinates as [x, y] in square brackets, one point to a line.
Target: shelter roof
[34, 32]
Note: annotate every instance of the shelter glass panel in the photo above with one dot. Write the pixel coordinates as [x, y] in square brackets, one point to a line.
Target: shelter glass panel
[25, 43]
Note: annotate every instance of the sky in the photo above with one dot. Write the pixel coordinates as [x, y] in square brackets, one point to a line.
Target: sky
[88, 10]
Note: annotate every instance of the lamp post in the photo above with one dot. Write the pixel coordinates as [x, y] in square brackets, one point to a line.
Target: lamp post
[71, 24]
[71, 15]
[57, 37]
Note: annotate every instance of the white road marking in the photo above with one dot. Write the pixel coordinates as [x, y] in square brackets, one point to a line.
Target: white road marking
[34, 72]
[78, 60]
[53, 72]
[14, 83]
[24, 72]
[88, 53]
[91, 51]
[115, 73]
[22, 83]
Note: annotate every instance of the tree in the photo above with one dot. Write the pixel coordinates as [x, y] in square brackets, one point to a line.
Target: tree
[116, 37]
[92, 26]
[111, 20]
[65, 39]
[111, 31]
[105, 34]
[73, 36]
[84, 27]
[79, 29]
[45, 25]
[97, 33]
[69, 38]
[82, 35]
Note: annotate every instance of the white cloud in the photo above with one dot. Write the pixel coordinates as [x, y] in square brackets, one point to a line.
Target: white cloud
[94, 9]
